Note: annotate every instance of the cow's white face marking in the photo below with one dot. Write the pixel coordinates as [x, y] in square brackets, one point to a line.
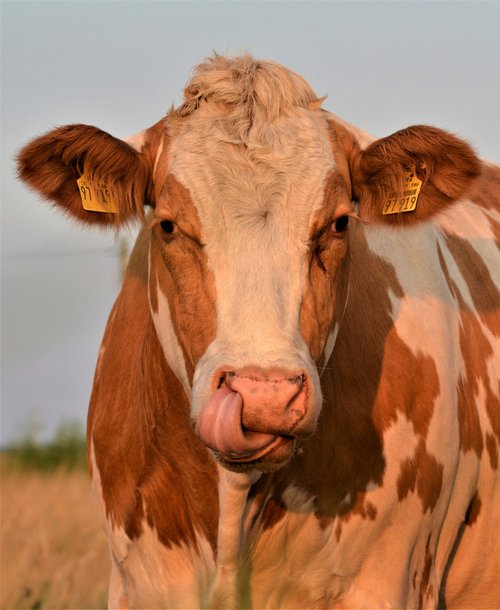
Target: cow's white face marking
[172, 349]
[256, 205]
[158, 156]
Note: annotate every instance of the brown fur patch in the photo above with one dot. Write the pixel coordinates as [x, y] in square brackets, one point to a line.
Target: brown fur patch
[273, 512]
[425, 590]
[409, 385]
[422, 474]
[474, 344]
[492, 448]
[346, 152]
[473, 510]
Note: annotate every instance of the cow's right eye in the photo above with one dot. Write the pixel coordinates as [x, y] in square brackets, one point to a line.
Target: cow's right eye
[168, 227]
[340, 225]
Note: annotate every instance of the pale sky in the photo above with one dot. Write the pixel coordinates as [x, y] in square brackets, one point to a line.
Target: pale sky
[120, 65]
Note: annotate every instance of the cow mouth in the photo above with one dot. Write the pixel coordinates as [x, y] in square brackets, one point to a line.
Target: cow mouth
[278, 443]
[219, 425]
[269, 459]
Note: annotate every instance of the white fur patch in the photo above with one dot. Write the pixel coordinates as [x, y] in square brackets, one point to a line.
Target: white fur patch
[330, 344]
[172, 349]
[161, 577]
[158, 156]
[136, 140]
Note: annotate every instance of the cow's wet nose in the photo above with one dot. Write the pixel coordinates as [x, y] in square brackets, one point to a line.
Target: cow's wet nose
[274, 401]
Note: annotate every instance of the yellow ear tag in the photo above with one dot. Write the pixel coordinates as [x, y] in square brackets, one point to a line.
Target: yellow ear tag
[96, 197]
[406, 202]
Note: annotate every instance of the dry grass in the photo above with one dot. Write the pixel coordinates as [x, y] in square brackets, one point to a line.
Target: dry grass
[53, 552]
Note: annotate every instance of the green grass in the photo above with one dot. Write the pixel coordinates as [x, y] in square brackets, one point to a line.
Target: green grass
[65, 450]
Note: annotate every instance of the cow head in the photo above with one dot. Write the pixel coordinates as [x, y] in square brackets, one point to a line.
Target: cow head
[252, 187]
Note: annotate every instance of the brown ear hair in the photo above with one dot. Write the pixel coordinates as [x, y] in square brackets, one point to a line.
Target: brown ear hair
[52, 163]
[446, 165]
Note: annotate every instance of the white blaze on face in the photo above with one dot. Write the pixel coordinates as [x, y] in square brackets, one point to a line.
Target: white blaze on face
[256, 204]
[172, 349]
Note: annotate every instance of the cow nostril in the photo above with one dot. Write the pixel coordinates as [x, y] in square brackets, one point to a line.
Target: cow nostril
[224, 378]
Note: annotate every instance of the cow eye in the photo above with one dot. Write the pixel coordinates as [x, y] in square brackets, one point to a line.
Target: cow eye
[340, 225]
[168, 227]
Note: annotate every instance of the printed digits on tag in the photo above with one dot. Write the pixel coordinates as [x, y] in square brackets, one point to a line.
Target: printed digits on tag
[389, 206]
[84, 190]
[104, 195]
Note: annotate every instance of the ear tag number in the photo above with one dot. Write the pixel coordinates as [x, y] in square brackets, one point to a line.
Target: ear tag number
[96, 197]
[407, 201]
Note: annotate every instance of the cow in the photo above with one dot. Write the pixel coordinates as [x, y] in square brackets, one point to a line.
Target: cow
[296, 401]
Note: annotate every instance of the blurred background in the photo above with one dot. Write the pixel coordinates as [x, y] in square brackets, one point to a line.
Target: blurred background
[120, 65]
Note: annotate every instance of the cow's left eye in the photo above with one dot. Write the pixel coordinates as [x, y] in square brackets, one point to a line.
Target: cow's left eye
[168, 227]
[340, 225]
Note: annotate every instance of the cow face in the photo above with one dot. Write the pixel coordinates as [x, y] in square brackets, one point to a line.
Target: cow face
[251, 185]
[239, 242]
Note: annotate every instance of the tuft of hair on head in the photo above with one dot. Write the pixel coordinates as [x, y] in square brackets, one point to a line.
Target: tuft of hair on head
[253, 92]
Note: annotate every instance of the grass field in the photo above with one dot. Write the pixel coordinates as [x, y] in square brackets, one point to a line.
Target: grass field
[53, 552]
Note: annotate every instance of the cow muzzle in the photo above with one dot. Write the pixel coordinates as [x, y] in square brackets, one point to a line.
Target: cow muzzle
[254, 417]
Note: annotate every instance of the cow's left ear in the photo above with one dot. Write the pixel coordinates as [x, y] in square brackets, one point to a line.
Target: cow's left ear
[429, 163]
[92, 176]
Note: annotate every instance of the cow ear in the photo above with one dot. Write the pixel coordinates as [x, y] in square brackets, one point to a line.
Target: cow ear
[52, 164]
[382, 174]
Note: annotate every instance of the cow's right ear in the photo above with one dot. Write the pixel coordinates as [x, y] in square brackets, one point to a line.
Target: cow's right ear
[419, 163]
[111, 169]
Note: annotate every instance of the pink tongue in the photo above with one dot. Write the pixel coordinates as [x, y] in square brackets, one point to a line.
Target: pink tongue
[219, 427]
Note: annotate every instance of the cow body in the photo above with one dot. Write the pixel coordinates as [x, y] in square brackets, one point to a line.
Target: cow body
[361, 365]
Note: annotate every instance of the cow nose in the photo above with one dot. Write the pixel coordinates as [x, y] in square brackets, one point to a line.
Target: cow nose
[274, 401]
[254, 416]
